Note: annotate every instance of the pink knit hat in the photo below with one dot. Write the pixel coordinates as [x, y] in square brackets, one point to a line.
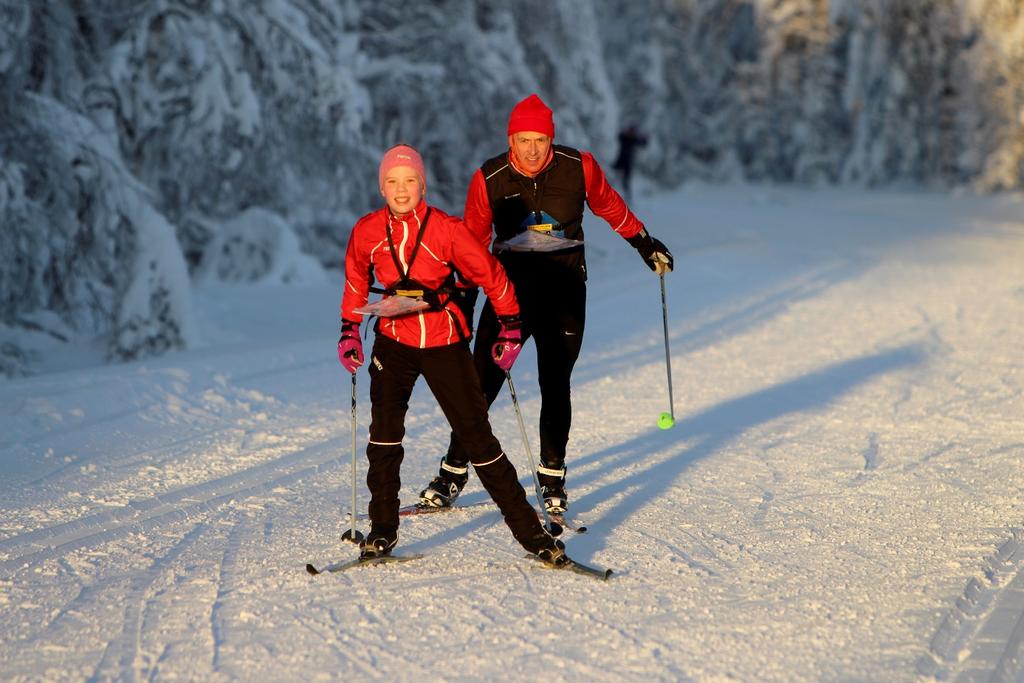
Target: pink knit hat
[531, 115]
[402, 155]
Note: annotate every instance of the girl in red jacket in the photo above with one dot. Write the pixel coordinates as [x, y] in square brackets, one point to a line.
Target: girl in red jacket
[411, 249]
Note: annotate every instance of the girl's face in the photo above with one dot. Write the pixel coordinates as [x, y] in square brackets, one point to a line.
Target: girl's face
[402, 190]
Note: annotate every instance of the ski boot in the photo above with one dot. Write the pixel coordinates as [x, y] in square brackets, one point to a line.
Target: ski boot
[442, 491]
[378, 543]
[547, 548]
[552, 484]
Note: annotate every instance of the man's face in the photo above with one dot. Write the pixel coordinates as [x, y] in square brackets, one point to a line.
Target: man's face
[402, 190]
[530, 149]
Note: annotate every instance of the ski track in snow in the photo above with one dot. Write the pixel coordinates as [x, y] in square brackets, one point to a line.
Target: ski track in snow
[982, 637]
[142, 516]
[123, 653]
[839, 497]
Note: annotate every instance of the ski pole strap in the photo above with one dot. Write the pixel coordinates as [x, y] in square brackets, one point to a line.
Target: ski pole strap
[510, 322]
[349, 328]
[551, 472]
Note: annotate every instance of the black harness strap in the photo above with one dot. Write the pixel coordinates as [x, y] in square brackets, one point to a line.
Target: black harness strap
[402, 287]
[415, 249]
[406, 286]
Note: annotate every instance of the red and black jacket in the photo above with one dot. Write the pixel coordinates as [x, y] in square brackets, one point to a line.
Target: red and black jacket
[502, 199]
[444, 244]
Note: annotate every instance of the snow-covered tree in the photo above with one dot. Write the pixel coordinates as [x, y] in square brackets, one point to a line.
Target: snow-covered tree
[257, 246]
[993, 153]
[443, 77]
[899, 71]
[803, 117]
[143, 139]
[225, 105]
[86, 253]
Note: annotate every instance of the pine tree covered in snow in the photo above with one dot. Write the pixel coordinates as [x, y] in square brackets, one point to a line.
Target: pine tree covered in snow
[899, 83]
[993, 58]
[803, 77]
[140, 137]
[222, 106]
[443, 76]
[85, 251]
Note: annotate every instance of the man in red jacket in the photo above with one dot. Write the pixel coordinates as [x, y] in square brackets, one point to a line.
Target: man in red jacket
[532, 197]
[411, 249]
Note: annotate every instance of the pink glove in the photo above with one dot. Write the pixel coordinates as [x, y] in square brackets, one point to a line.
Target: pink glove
[509, 344]
[350, 347]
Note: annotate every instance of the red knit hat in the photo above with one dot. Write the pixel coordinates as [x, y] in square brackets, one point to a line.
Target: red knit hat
[531, 115]
[401, 155]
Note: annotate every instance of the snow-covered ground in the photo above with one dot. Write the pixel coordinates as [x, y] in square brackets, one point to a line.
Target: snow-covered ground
[840, 498]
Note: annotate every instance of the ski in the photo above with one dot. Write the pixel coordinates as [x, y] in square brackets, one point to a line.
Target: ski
[572, 565]
[359, 562]
[577, 567]
[419, 509]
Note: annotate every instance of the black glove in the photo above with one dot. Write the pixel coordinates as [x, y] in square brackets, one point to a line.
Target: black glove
[655, 254]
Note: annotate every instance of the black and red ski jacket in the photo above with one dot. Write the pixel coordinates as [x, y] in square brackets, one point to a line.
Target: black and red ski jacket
[502, 199]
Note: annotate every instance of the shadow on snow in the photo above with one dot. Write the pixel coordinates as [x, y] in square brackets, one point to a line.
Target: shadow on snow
[712, 429]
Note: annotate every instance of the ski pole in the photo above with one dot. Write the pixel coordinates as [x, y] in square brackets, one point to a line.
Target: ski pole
[666, 420]
[352, 534]
[551, 526]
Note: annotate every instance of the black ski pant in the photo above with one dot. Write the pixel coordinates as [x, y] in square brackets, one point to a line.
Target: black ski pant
[554, 316]
[448, 370]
